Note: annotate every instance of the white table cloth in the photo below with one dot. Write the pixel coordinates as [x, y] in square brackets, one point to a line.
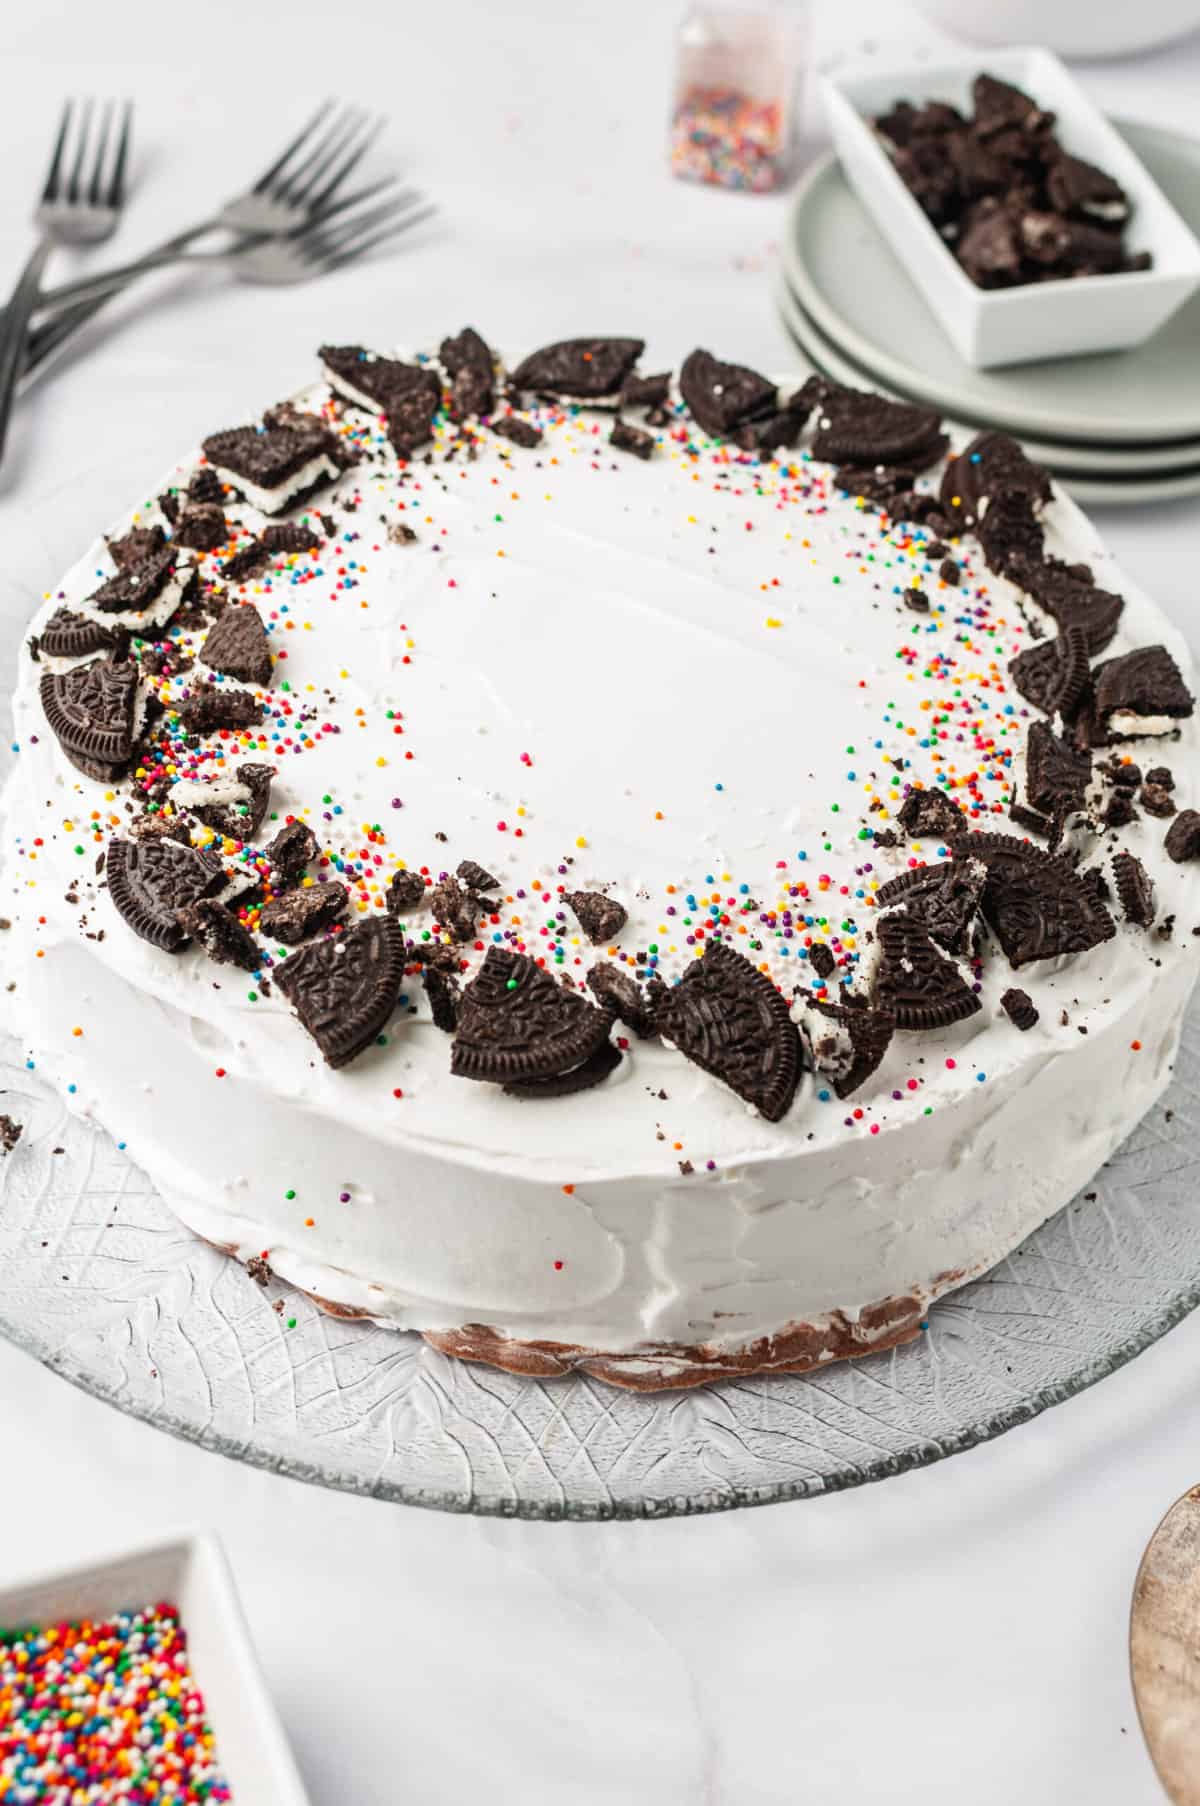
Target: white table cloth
[953, 1635]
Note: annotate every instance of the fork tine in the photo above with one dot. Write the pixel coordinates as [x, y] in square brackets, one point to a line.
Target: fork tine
[93, 193]
[326, 239]
[373, 241]
[322, 216]
[265, 180]
[83, 133]
[116, 191]
[330, 145]
[50, 191]
[352, 157]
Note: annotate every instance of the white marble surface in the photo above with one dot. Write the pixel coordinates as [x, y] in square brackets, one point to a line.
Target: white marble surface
[958, 1634]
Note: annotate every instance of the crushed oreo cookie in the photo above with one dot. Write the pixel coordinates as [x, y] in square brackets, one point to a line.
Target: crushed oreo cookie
[406, 892]
[237, 645]
[292, 849]
[516, 430]
[623, 996]
[847, 1043]
[601, 918]
[629, 438]
[722, 397]
[930, 812]
[221, 935]
[208, 707]
[992, 464]
[475, 876]
[1183, 837]
[456, 908]
[202, 527]
[1020, 1008]
[239, 817]
[136, 546]
[307, 909]
[137, 586]
[944, 898]
[1135, 889]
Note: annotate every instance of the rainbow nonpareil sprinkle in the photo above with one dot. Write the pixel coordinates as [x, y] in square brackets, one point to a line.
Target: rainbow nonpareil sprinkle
[104, 1711]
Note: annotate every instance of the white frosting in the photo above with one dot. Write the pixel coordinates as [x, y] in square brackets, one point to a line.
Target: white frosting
[270, 501]
[191, 793]
[1128, 725]
[655, 672]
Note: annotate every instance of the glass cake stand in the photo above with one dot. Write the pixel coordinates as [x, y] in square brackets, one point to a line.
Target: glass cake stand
[99, 1282]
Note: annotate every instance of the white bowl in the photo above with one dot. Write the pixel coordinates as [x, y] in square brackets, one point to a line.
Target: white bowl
[189, 1572]
[1072, 27]
[1066, 318]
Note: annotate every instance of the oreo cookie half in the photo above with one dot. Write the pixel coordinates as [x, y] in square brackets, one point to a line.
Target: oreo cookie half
[601, 918]
[587, 369]
[376, 383]
[848, 1044]
[855, 426]
[1053, 674]
[592, 1071]
[1069, 594]
[515, 1022]
[237, 645]
[1035, 903]
[344, 990]
[136, 586]
[914, 983]
[151, 880]
[92, 712]
[289, 456]
[68, 635]
[722, 397]
[1140, 694]
[728, 1018]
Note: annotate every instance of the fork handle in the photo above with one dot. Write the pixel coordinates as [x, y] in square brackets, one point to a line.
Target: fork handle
[20, 306]
[106, 282]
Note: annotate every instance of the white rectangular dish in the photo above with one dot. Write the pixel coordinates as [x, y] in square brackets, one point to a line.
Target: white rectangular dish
[190, 1572]
[990, 327]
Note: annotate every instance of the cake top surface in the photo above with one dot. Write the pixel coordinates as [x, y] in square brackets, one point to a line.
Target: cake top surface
[554, 697]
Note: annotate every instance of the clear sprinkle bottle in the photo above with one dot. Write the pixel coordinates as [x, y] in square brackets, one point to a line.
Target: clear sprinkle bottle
[738, 78]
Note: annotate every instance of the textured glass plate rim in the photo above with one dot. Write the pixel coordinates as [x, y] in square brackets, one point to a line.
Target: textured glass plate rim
[21, 1326]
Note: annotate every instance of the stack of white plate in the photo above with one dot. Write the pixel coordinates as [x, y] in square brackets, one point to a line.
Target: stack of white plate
[1120, 429]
